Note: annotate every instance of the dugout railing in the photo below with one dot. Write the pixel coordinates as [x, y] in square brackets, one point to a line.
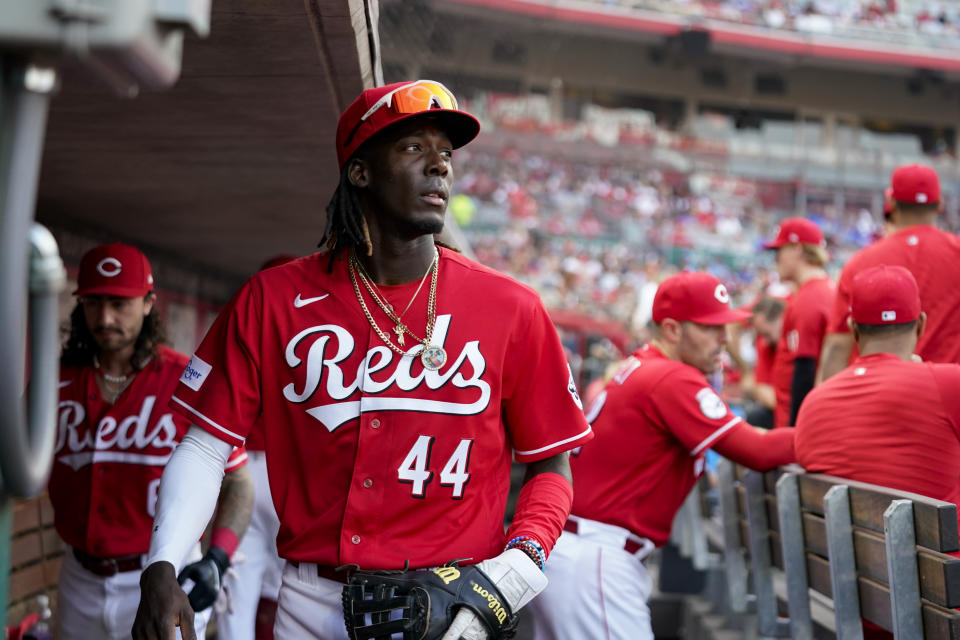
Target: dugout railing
[812, 556]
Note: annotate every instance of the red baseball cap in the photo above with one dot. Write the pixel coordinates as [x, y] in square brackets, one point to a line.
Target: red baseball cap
[114, 270]
[380, 107]
[696, 297]
[915, 184]
[884, 294]
[796, 230]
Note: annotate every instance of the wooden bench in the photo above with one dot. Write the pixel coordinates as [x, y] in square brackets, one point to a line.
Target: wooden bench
[880, 554]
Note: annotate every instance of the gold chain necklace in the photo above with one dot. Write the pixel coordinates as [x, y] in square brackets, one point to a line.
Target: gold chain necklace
[384, 304]
[433, 357]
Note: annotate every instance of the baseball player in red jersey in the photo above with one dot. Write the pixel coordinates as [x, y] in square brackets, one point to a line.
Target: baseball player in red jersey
[654, 422]
[116, 433]
[801, 257]
[254, 582]
[767, 324]
[886, 419]
[395, 378]
[929, 254]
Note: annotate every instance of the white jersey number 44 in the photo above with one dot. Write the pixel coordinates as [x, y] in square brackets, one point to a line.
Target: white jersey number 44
[415, 468]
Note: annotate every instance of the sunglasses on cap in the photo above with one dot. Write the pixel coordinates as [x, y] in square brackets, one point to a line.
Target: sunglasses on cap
[415, 97]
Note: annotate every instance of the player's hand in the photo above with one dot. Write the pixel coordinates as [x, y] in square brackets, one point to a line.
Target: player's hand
[517, 578]
[163, 606]
[202, 580]
[466, 626]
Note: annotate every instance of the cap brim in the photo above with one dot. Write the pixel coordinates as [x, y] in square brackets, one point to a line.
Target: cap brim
[106, 290]
[727, 316]
[461, 127]
[773, 245]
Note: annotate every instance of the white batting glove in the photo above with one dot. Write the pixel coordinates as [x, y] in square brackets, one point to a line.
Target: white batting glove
[519, 581]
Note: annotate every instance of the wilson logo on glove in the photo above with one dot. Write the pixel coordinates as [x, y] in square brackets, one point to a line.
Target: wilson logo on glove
[447, 574]
[492, 602]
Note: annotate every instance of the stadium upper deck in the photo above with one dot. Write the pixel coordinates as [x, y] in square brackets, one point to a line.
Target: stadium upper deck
[914, 35]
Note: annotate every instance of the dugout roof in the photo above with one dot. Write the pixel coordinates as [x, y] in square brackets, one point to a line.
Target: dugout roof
[235, 163]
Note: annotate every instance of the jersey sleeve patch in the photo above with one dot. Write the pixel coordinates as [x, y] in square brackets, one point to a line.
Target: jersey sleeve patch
[572, 388]
[195, 373]
[710, 404]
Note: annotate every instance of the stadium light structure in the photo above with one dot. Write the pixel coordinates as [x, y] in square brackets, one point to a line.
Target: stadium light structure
[129, 44]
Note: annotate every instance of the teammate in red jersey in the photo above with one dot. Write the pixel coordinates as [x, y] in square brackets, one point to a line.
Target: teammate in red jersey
[654, 422]
[886, 419]
[395, 378]
[801, 257]
[930, 254]
[767, 325]
[116, 433]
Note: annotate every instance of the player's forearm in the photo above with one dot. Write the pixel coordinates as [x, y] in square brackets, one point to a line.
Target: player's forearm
[188, 496]
[834, 355]
[765, 395]
[235, 505]
[804, 373]
[544, 502]
[756, 448]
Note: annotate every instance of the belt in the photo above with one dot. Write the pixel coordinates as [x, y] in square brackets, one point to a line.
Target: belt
[630, 546]
[107, 567]
[330, 573]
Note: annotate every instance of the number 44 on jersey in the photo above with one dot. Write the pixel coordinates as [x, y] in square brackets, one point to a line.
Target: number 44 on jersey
[415, 468]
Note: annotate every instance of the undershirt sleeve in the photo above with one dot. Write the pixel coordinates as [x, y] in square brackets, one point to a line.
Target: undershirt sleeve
[189, 489]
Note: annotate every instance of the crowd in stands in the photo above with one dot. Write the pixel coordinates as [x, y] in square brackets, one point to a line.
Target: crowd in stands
[591, 236]
[927, 17]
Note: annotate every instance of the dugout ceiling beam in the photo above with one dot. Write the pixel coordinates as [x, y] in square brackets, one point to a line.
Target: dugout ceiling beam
[235, 163]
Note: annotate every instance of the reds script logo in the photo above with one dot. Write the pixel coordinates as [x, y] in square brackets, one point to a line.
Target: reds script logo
[113, 440]
[333, 344]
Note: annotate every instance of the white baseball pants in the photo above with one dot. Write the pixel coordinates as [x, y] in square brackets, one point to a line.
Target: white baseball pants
[597, 589]
[92, 606]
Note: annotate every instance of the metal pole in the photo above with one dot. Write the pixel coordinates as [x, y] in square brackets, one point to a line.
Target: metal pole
[733, 556]
[901, 544]
[758, 525]
[843, 570]
[794, 556]
[26, 437]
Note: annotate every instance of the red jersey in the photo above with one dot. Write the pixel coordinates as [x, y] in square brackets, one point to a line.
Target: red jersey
[886, 421]
[763, 368]
[108, 458]
[931, 256]
[654, 422]
[373, 459]
[254, 441]
[804, 326]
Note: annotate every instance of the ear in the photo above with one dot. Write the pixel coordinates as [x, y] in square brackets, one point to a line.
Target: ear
[854, 329]
[148, 301]
[358, 172]
[921, 324]
[671, 330]
[940, 207]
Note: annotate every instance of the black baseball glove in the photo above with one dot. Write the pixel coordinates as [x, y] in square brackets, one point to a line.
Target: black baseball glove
[422, 604]
[203, 579]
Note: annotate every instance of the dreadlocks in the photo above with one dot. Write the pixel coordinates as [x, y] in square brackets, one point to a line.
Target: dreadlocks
[81, 347]
[346, 227]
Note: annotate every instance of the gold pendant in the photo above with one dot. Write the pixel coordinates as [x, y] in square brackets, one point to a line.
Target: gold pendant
[399, 331]
[433, 357]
